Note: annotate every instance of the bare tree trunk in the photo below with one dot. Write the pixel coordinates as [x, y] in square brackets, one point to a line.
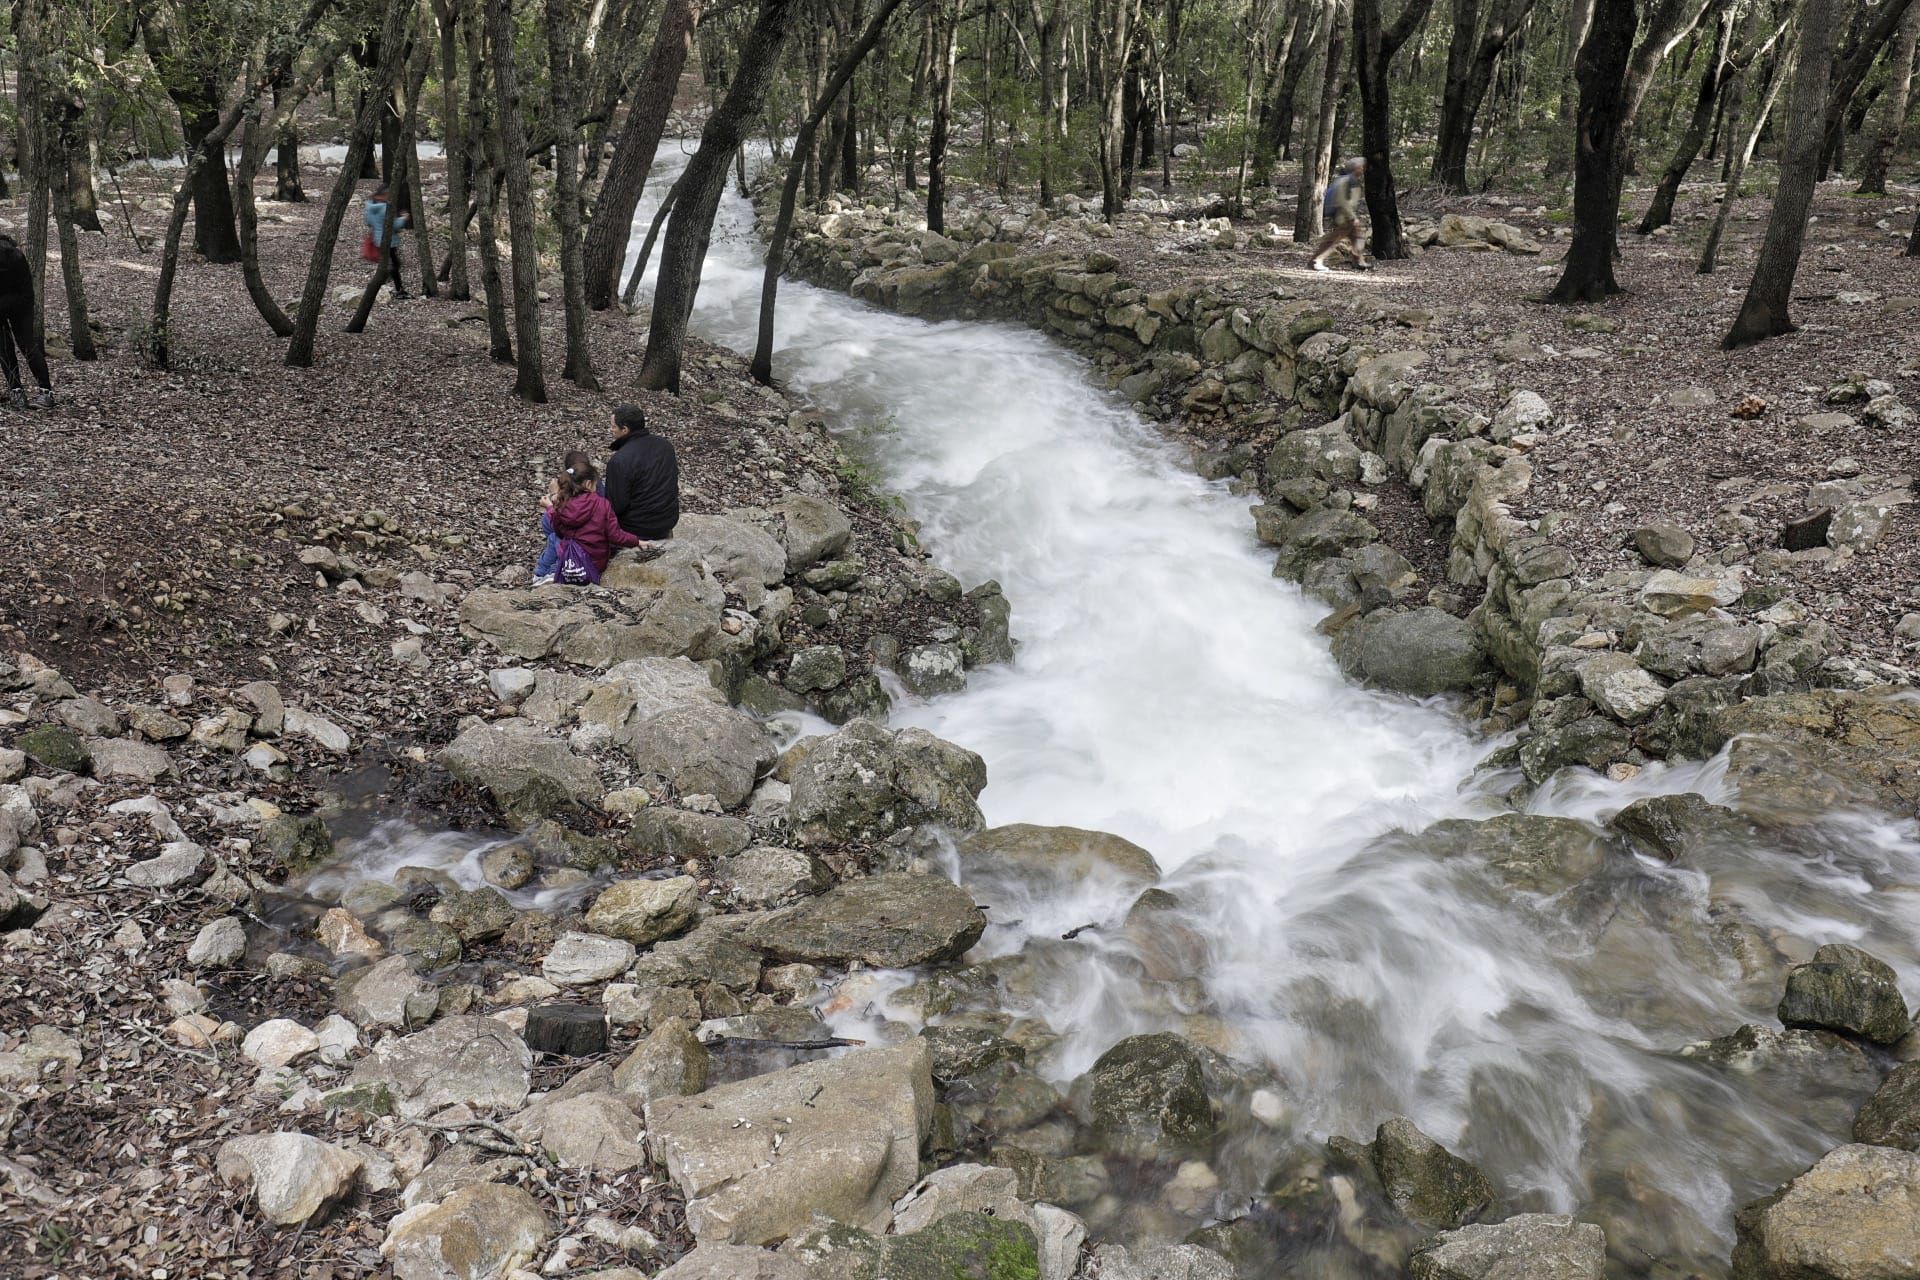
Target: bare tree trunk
[82, 199]
[1573, 34]
[286, 161]
[480, 114]
[945, 31]
[1115, 19]
[566, 197]
[790, 188]
[313, 295]
[36, 147]
[639, 272]
[1893, 106]
[1764, 312]
[1316, 162]
[530, 381]
[454, 144]
[1719, 70]
[1587, 275]
[1739, 157]
[703, 183]
[633, 154]
[409, 163]
[243, 175]
[1374, 48]
[1470, 64]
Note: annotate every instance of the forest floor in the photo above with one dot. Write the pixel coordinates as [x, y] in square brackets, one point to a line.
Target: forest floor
[1643, 394]
[151, 525]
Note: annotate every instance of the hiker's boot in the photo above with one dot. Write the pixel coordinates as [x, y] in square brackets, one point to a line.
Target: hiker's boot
[40, 398]
[17, 398]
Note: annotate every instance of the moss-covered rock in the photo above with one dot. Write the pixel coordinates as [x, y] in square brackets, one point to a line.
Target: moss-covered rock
[296, 843]
[1150, 1092]
[1846, 990]
[52, 747]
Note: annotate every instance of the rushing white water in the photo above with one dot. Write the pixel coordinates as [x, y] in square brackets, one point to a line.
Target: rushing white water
[1169, 689]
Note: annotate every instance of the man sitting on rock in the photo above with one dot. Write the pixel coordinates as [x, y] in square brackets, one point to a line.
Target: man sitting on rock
[643, 477]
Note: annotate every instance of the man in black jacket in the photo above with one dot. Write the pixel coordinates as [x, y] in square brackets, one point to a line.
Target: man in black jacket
[643, 477]
[16, 325]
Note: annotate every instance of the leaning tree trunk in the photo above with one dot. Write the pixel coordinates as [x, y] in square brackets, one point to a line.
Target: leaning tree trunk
[566, 198]
[629, 294]
[1893, 106]
[632, 161]
[215, 143]
[701, 187]
[1764, 312]
[1739, 157]
[56, 174]
[454, 144]
[1587, 275]
[530, 380]
[243, 174]
[790, 188]
[1316, 158]
[487, 196]
[1467, 85]
[36, 147]
[1712, 81]
[313, 294]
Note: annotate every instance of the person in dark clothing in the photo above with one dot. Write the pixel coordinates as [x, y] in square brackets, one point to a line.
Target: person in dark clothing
[643, 477]
[16, 326]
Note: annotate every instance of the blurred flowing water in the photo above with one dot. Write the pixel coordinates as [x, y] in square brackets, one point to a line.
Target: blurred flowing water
[1170, 690]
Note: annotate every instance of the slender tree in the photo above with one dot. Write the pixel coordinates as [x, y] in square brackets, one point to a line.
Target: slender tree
[942, 40]
[566, 197]
[1374, 48]
[701, 186]
[1113, 36]
[313, 294]
[530, 379]
[1316, 159]
[632, 161]
[1738, 158]
[1764, 312]
[454, 134]
[419, 223]
[850, 61]
[487, 194]
[1731, 57]
[1893, 106]
[177, 35]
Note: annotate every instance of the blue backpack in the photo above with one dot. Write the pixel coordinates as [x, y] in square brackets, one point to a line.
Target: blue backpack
[1331, 199]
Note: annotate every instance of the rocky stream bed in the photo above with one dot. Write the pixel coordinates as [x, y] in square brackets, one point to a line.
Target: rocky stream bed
[746, 976]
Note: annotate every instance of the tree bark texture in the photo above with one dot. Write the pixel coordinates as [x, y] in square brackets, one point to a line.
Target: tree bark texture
[530, 379]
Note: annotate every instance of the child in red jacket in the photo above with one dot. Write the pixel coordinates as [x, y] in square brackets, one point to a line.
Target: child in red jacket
[573, 511]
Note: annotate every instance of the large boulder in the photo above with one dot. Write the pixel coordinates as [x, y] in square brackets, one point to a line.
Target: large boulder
[1855, 1215]
[1668, 827]
[295, 1178]
[866, 781]
[1043, 859]
[743, 555]
[1422, 651]
[756, 1159]
[891, 921]
[463, 1059]
[1525, 850]
[480, 1232]
[1531, 1246]
[1149, 1093]
[1872, 737]
[1891, 1117]
[522, 768]
[1621, 687]
[1846, 990]
[1427, 1183]
[815, 530]
[703, 749]
[523, 624]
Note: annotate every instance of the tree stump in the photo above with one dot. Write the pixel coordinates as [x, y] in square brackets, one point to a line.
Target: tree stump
[571, 1030]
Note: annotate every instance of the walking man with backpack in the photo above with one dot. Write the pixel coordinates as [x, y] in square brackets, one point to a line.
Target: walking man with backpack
[17, 327]
[1341, 207]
